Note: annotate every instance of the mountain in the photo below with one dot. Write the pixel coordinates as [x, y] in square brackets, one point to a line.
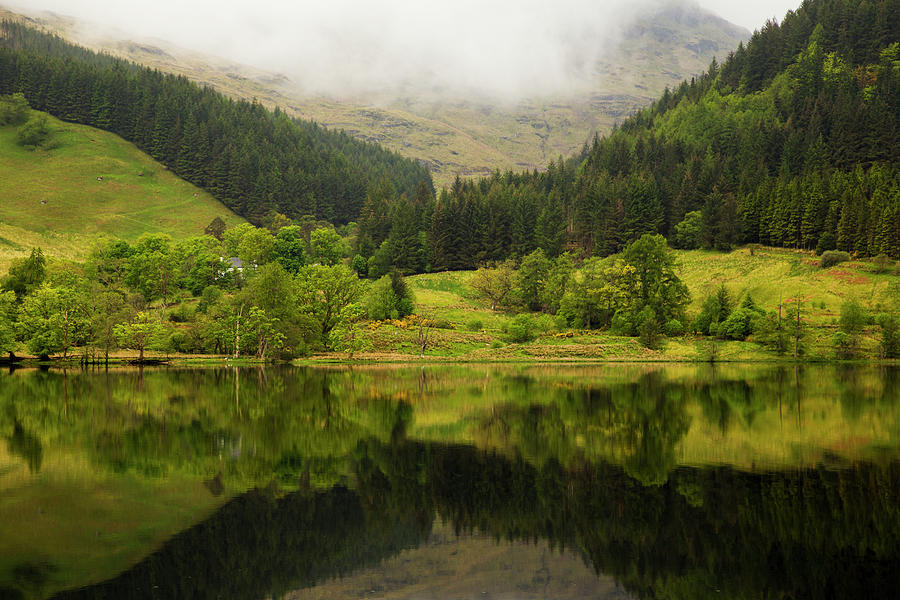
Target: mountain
[463, 136]
[793, 141]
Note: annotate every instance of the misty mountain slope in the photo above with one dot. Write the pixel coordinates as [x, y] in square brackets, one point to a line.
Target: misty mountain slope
[453, 131]
[255, 161]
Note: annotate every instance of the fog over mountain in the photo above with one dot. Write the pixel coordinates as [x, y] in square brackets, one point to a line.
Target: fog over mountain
[503, 49]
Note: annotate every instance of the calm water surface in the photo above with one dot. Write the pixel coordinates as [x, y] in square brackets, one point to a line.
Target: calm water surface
[621, 481]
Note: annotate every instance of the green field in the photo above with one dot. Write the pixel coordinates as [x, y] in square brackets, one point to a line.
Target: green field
[53, 198]
[471, 331]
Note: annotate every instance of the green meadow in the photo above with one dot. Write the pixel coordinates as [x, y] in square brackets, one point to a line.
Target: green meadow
[54, 197]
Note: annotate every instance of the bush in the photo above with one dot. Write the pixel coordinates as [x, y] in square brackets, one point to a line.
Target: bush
[844, 345]
[738, 325]
[180, 314]
[674, 328]
[648, 329]
[475, 325]
[520, 330]
[497, 344]
[34, 132]
[833, 257]
[623, 323]
[882, 264]
[443, 324]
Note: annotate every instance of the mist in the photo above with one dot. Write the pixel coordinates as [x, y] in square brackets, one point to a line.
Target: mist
[496, 49]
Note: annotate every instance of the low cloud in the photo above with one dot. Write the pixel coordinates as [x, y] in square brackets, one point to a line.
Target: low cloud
[499, 48]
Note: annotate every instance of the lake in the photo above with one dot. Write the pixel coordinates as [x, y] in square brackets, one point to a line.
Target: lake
[451, 481]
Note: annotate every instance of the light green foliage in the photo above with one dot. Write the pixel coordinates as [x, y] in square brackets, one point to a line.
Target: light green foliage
[851, 324]
[600, 289]
[521, 329]
[324, 291]
[14, 109]
[688, 233]
[33, 132]
[389, 298]
[715, 310]
[256, 247]
[290, 248]
[8, 310]
[51, 320]
[741, 322]
[151, 267]
[107, 307]
[495, 284]
[197, 263]
[558, 279]
[107, 261]
[262, 336]
[326, 246]
[347, 336]
[210, 296]
[233, 236]
[853, 317]
[532, 279]
[272, 289]
[658, 285]
[145, 331]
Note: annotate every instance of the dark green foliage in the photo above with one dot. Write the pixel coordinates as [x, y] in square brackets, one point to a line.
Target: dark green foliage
[833, 257]
[251, 159]
[890, 335]
[25, 274]
[826, 242]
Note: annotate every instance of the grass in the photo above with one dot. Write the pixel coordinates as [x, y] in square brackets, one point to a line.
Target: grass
[52, 198]
[771, 276]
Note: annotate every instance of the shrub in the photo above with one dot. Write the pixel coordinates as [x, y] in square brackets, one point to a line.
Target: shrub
[674, 328]
[844, 345]
[623, 323]
[180, 314]
[497, 344]
[475, 325]
[833, 257]
[520, 330]
[648, 328]
[882, 264]
[34, 132]
[443, 324]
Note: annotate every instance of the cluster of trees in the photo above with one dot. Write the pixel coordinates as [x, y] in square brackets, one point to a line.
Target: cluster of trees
[635, 293]
[254, 160]
[252, 293]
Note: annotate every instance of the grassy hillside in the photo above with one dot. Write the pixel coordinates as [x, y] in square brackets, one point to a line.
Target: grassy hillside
[471, 331]
[52, 197]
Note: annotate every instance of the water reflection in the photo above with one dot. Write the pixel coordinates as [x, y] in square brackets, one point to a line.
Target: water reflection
[677, 481]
